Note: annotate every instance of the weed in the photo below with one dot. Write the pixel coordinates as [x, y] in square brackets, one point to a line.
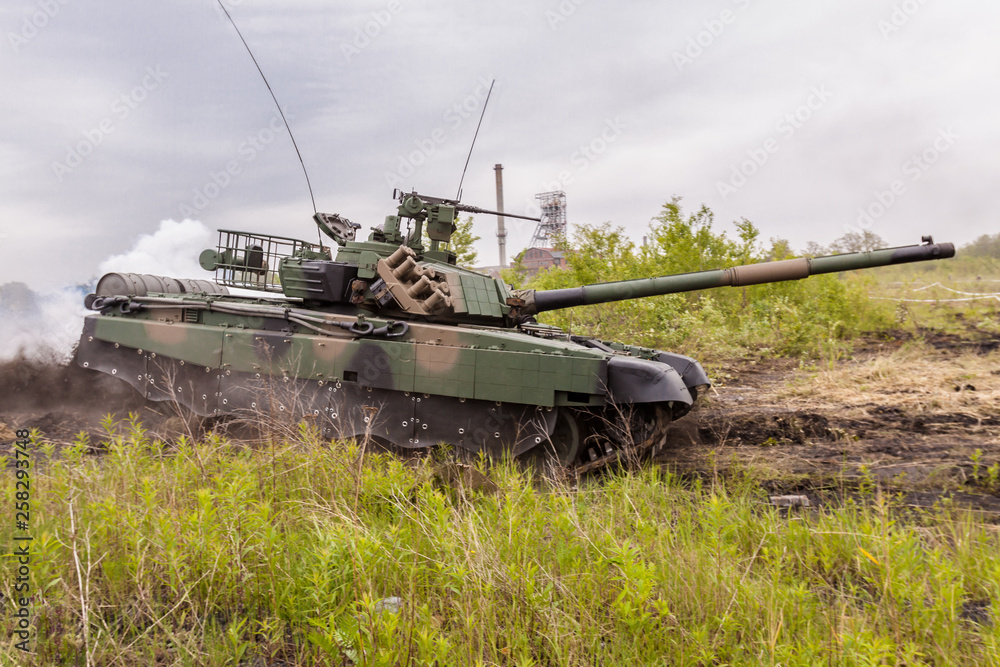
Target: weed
[218, 554]
[976, 458]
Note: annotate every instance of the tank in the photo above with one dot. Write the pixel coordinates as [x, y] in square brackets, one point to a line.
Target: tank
[387, 338]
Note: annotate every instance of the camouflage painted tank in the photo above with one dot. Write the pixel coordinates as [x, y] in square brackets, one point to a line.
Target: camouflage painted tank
[391, 339]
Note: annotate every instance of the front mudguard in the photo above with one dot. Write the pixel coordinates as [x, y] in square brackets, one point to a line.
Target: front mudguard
[632, 380]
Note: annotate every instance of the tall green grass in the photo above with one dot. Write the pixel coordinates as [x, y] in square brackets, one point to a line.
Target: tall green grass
[211, 553]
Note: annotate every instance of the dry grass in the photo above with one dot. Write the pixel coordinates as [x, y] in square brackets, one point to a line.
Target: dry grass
[6, 434]
[915, 379]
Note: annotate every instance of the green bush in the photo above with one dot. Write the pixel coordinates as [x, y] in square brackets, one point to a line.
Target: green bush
[814, 316]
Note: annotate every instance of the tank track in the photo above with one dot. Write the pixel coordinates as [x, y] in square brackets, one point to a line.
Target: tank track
[607, 449]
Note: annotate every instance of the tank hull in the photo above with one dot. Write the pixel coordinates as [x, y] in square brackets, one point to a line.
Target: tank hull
[481, 389]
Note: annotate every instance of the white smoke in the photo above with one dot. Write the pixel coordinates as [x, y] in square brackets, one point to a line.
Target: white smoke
[47, 325]
[40, 325]
[170, 251]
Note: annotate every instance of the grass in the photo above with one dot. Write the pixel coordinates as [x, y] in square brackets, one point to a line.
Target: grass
[212, 553]
[958, 296]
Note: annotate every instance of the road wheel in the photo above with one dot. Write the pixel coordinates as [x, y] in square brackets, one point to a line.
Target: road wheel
[562, 448]
[564, 442]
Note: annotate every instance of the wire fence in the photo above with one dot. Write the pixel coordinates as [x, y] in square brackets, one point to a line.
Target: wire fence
[966, 296]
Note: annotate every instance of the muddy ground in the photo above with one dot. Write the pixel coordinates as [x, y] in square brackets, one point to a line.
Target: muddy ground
[902, 413]
[62, 399]
[918, 416]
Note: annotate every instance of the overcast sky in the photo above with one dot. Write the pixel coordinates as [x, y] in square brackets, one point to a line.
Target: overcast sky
[808, 118]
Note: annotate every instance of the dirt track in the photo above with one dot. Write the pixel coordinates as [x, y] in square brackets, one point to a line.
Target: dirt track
[901, 415]
[60, 400]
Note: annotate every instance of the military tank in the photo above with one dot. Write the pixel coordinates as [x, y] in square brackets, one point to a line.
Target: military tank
[388, 338]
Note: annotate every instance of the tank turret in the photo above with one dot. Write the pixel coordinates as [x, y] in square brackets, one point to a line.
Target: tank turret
[388, 338]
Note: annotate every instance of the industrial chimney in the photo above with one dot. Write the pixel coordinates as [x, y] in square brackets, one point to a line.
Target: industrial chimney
[501, 232]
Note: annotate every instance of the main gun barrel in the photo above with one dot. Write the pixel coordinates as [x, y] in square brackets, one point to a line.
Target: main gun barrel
[751, 274]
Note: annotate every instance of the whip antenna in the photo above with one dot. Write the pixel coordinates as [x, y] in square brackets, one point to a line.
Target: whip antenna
[280, 112]
[458, 197]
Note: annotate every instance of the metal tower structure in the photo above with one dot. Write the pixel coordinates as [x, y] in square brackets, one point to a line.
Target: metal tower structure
[553, 205]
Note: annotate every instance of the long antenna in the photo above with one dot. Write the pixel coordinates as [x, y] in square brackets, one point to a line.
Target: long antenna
[458, 197]
[280, 112]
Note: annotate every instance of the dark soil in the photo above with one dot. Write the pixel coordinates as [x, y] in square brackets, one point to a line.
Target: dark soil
[925, 456]
[62, 399]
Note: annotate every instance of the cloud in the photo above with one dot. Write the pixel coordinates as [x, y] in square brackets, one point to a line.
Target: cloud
[562, 69]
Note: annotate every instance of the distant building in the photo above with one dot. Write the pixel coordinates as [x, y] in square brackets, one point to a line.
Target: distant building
[536, 259]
